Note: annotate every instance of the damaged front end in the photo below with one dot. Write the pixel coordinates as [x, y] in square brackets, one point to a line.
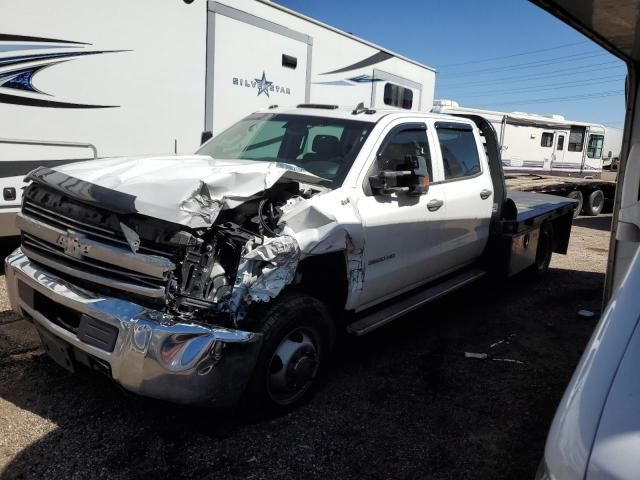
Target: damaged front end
[216, 253]
[156, 303]
[241, 259]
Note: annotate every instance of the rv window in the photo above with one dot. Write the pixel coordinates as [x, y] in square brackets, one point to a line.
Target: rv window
[594, 149]
[398, 96]
[576, 139]
[560, 142]
[323, 146]
[459, 153]
[407, 99]
[402, 144]
[547, 139]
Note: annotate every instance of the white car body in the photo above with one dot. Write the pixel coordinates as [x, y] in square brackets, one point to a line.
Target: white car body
[187, 238]
[595, 434]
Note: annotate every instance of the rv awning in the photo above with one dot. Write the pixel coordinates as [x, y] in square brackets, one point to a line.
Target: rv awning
[533, 122]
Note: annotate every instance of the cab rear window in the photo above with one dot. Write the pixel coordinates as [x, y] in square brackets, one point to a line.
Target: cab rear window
[459, 151]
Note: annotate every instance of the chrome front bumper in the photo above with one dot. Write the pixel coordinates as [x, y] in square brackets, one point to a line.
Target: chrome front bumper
[154, 355]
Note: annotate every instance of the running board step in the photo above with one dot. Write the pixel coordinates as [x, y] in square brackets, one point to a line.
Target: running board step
[405, 305]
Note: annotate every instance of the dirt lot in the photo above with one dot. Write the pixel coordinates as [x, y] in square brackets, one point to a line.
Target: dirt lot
[403, 402]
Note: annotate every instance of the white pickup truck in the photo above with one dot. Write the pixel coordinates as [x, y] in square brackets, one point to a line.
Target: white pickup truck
[223, 276]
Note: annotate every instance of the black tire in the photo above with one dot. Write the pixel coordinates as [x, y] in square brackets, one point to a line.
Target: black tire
[293, 322]
[577, 195]
[594, 203]
[544, 250]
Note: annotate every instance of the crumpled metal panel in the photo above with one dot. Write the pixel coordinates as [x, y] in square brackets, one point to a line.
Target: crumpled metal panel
[188, 190]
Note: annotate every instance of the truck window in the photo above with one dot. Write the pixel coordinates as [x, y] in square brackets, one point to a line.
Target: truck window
[393, 155]
[576, 139]
[323, 146]
[459, 152]
[594, 149]
[546, 140]
[398, 96]
[560, 142]
[266, 140]
[330, 130]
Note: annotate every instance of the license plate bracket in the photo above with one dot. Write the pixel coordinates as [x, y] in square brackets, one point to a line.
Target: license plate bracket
[58, 350]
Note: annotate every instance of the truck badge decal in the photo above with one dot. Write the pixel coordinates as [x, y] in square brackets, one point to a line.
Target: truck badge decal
[17, 70]
[73, 244]
[262, 84]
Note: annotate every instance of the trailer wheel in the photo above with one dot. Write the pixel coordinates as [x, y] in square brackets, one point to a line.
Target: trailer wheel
[298, 338]
[576, 195]
[594, 204]
[544, 250]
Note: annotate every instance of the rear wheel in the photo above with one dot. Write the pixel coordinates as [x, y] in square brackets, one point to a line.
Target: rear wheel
[544, 250]
[594, 204]
[576, 195]
[298, 336]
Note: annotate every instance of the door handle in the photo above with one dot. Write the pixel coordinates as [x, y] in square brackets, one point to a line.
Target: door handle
[434, 204]
[484, 194]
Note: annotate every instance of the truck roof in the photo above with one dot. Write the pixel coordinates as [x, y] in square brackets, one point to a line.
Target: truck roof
[348, 113]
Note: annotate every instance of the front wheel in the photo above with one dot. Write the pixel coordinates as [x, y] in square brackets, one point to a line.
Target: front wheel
[298, 338]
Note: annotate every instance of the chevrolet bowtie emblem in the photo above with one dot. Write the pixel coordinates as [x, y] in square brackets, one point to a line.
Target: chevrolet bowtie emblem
[73, 245]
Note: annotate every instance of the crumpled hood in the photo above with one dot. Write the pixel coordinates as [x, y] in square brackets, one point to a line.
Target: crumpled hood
[189, 190]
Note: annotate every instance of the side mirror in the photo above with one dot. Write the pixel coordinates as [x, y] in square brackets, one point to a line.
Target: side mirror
[414, 180]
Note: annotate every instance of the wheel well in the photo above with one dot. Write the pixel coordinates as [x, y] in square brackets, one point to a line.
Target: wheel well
[325, 278]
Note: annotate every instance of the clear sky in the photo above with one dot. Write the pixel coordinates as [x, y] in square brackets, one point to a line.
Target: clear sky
[505, 55]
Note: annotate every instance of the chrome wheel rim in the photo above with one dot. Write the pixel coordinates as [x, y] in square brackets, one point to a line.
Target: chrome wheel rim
[293, 366]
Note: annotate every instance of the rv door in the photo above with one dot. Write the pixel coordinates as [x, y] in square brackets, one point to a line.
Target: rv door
[252, 63]
[559, 146]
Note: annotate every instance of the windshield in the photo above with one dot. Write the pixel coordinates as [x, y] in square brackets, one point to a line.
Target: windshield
[325, 147]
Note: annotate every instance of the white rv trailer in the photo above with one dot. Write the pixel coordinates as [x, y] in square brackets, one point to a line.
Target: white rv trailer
[154, 76]
[542, 144]
[548, 154]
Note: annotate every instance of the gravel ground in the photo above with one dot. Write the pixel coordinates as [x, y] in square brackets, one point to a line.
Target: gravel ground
[403, 402]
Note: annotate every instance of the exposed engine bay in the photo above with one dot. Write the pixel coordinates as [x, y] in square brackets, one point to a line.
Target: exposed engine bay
[228, 263]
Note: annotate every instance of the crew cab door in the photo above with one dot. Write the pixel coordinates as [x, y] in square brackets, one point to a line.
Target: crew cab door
[468, 194]
[402, 232]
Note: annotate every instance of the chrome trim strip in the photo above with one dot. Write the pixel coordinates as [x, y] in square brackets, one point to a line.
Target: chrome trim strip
[151, 265]
[90, 277]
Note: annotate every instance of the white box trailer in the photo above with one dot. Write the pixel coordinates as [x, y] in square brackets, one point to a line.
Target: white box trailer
[548, 154]
[152, 76]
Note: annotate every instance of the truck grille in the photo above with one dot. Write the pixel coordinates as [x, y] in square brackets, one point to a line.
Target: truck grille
[90, 248]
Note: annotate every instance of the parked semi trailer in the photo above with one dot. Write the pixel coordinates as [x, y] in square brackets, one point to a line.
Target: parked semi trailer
[223, 276]
[549, 154]
[120, 78]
